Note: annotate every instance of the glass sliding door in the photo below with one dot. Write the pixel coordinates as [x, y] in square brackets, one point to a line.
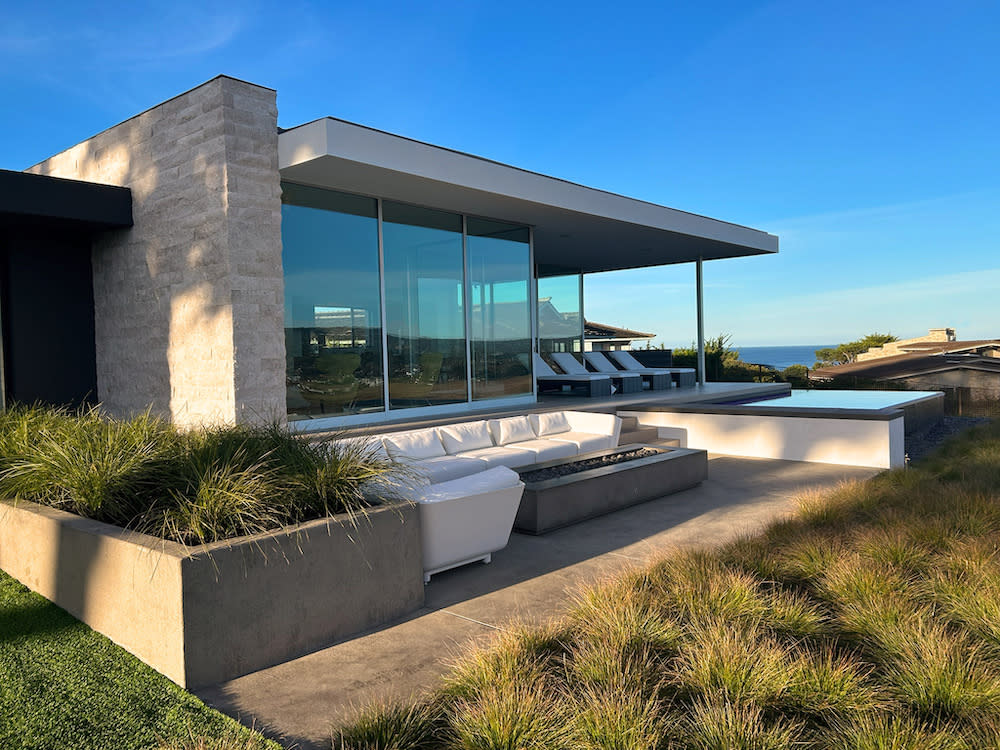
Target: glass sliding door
[560, 314]
[425, 306]
[333, 320]
[499, 259]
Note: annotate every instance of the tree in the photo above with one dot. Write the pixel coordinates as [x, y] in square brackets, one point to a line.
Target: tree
[847, 353]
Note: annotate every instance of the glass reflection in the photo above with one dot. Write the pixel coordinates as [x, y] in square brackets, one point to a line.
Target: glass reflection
[500, 314]
[333, 327]
[425, 308]
[560, 322]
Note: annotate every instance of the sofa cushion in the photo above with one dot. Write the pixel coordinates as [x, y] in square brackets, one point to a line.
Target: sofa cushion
[585, 441]
[446, 468]
[548, 450]
[415, 444]
[490, 480]
[366, 447]
[549, 424]
[511, 430]
[468, 436]
[507, 455]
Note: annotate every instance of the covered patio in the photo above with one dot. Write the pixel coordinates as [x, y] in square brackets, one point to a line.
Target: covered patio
[522, 244]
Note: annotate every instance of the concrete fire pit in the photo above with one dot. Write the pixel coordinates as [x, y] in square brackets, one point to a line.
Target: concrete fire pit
[560, 501]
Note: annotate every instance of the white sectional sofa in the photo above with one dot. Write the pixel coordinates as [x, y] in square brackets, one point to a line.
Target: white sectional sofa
[467, 509]
[457, 450]
[468, 519]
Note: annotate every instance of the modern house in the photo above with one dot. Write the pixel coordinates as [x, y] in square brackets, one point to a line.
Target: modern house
[600, 337]
[201, 260]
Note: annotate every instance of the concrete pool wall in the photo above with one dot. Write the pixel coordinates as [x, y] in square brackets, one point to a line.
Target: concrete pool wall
[851, 437]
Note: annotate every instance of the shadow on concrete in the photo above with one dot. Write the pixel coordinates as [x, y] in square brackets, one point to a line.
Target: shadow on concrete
[732, 483]
[529, 580]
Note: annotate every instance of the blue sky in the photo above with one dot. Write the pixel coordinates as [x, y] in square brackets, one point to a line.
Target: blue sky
[864, 134]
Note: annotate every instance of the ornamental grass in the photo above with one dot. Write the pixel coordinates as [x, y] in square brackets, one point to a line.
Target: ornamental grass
[193, 487]
[868, 620]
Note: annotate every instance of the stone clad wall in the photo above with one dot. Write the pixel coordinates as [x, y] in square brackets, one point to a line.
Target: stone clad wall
[188, 302]
[254, 233]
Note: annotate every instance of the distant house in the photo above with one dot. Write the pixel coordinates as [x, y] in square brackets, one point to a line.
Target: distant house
[938, 361]
[936, 340]
[598, 337]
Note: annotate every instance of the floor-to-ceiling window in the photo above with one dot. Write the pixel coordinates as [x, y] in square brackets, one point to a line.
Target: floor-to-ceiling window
[424, 306]
[333, 320]
[560, 318]
[499, 259]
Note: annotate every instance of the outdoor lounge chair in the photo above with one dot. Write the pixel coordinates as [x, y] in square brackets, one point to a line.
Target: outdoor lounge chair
[595, 384]
[625, 382]
[683, 376]
[657, 379]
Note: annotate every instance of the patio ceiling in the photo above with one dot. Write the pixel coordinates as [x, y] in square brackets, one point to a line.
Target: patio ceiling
[576, 228]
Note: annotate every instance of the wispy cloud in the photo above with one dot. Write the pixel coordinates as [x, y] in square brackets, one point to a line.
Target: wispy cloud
[148, 41]
[891, 211]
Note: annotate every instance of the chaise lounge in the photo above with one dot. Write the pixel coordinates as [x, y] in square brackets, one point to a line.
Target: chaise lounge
[655, 378]
[548, 379]
[682, 376]
[625, 382]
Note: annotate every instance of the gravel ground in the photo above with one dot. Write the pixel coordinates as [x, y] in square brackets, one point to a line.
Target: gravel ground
[562, 470]
[919, 445]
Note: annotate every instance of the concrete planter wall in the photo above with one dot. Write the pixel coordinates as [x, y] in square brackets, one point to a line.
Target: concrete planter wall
[201, 615]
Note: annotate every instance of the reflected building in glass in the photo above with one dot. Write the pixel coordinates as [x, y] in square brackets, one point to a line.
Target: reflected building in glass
[391, 306]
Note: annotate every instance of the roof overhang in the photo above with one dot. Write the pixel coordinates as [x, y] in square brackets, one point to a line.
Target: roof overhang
[31, 199]
[576, 228]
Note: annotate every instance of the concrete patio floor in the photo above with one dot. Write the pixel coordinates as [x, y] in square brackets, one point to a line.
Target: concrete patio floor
[530, 581]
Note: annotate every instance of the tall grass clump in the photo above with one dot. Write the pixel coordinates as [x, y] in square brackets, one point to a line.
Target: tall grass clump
[193, 487]
[391, 727]
[868, 621]
[81, 462]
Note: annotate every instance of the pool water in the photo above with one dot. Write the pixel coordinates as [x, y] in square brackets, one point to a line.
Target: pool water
[822, 399]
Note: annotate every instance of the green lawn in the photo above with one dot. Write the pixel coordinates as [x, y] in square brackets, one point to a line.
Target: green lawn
[870, 621]
[64, 686]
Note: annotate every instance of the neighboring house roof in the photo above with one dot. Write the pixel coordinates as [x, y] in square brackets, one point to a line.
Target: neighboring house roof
[593, 330]
[952, 346]
[906, 365]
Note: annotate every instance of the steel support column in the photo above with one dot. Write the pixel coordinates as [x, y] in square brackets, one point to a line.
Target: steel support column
[701, 322]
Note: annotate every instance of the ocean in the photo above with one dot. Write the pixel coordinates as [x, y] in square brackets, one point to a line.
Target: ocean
[780, 357]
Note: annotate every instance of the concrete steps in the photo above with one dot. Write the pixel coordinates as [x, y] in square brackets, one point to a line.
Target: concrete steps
[633, 432]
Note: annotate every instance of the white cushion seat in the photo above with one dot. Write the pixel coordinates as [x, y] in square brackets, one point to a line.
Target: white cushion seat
[496, 478]
[414, 444]
[467, 519]
[465, 437]
[368, 447]
[505, 455]
[511, 430]
[447, 468]
[546, 449]
[551, 423]
[584, 441]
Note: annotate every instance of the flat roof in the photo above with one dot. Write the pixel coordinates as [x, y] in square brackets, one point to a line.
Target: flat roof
[576, 228]
[31, 198]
